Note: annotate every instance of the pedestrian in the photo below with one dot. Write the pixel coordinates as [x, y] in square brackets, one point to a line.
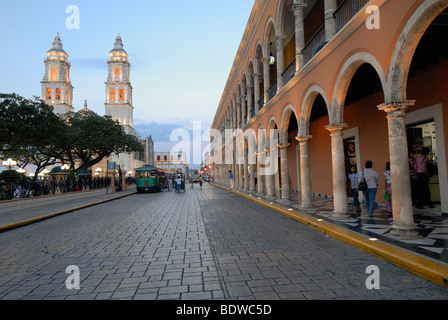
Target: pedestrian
[388, 188]
[423, 193]
[191, 184]
[200, 182]
[373, 180]
[230, 179]
[413, 176]
[353, 177]
[167, 183]
[178, 183]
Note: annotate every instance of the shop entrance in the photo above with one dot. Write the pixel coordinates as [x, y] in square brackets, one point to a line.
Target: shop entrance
[421, 135]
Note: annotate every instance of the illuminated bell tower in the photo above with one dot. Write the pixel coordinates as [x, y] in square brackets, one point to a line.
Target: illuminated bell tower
[57, 90]
[118, 87]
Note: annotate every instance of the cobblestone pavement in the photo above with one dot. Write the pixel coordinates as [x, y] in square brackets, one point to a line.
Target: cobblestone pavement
[199, 245]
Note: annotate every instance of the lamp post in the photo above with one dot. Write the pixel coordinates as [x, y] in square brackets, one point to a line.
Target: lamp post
[9, 163]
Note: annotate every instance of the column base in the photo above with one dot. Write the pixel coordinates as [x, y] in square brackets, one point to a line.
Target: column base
[306, 206]
[285, 201]
[401, 233]
[340, 216]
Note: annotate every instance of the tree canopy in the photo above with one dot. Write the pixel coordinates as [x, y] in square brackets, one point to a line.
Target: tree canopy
[31, 133]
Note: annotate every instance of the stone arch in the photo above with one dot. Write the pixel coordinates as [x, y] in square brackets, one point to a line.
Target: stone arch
[407, 43]
[287, 112]
[308, 101]
[343, 81]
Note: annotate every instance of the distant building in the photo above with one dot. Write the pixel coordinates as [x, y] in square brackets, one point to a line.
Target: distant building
[171, 161]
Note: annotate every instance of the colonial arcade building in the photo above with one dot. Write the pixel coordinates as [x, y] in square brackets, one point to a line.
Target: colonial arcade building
[341, 82]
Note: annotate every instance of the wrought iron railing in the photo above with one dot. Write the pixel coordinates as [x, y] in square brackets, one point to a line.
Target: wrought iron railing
[314, 45]
[289, 72]
[252, 112]
[347, 10]
[272, 90]
[261, 103]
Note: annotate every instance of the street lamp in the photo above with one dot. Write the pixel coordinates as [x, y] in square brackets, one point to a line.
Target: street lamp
[65, 167]
[9, 163]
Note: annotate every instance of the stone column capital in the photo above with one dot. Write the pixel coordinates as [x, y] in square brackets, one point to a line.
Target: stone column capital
[299, 6]
[284, 146]
[396, 108]
[304, 139]
[336, 129]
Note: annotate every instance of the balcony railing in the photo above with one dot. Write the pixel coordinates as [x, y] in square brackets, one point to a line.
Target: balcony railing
[252, 112]
[272, 90]
[347, 10]
[289, 72]
[261, 103]
[313, 46]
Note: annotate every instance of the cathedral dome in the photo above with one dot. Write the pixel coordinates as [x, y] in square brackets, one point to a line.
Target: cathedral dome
[86, 111]
[118, 50]
[57, 48]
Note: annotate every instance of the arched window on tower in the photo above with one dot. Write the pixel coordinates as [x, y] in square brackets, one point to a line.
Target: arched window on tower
[112, 94]
[48, 94]
[53, 73]
[121, 95]
[117, 70]
[58, 94]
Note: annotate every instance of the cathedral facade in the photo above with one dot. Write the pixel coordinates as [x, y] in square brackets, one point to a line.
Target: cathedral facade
[57, 91]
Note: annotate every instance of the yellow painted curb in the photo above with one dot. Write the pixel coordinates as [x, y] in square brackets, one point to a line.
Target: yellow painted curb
[51, 215]
[424, 267]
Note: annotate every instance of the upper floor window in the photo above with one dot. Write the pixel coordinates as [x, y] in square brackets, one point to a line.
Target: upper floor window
[112, 94]
[121, 94]
[48, 94]
[58, 94]
[53, 73]
[117, 70]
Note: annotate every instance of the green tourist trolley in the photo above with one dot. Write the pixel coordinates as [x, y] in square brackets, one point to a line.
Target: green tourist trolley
[149, 179]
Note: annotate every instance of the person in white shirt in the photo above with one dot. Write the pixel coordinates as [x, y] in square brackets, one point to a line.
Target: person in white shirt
[178, 183]
[373, 181]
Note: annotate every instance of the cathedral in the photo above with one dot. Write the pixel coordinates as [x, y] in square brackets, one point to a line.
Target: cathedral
[57, 91]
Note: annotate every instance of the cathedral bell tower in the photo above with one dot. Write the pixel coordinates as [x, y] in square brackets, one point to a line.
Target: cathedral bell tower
[57, 90]
[118, 87]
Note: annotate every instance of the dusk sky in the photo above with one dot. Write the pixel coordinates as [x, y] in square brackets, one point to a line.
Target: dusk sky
[180, 52]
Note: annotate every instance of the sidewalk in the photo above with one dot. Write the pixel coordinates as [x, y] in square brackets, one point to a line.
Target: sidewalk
[19, 212]
[426, 257]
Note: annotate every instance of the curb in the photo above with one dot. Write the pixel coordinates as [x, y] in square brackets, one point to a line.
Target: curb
[423, 267]
[51, 215]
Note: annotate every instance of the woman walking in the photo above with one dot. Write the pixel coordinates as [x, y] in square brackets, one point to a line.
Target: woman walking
[373, 180]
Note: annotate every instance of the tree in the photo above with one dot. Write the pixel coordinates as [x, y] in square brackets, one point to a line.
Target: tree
[25, 122]
[31, 133]
[90, 138]
[28, 129]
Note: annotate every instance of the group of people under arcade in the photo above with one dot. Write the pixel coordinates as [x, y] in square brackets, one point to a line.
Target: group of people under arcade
[421, 170]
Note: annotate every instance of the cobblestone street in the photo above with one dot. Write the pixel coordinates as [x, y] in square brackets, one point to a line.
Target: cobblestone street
[199, 245]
